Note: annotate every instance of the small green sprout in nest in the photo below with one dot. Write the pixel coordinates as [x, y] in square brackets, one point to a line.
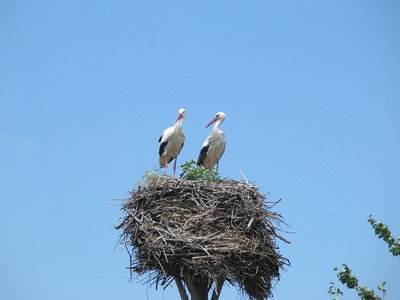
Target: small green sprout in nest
[202, 229]
[192, 171]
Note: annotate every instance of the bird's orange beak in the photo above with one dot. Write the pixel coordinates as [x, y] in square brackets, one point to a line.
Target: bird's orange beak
[212, 121]
[180, 116]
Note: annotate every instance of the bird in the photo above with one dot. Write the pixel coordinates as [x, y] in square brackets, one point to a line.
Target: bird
[172, 140]
[214, 146]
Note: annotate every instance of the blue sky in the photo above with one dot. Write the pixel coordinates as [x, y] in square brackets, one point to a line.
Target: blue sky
[311, 91]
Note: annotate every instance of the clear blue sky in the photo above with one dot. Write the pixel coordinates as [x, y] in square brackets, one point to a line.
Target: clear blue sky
[311, 91]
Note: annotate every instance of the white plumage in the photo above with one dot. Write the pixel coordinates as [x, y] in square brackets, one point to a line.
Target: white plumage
[172, 141]
[214, 146]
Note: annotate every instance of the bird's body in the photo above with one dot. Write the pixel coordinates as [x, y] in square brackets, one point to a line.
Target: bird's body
[172, 141]
[214, 146]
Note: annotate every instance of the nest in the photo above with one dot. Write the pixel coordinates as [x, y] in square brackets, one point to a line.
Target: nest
[209, 229]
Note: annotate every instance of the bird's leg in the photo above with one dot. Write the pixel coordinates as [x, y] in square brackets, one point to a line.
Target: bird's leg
[209, 167]
[176, 158]
[217, 165]
[166, 163]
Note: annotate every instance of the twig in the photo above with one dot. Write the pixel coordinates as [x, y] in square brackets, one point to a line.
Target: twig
[243, 176]
[165, 274]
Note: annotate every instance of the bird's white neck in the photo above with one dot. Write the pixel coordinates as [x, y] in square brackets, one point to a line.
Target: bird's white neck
[179, 123]
[216, 126]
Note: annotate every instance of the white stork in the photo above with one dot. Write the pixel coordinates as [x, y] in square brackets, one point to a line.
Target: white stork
[172, 141]
[214, 145]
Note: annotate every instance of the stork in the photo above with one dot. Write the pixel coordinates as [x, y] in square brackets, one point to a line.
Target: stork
[172, 141]
[214, 146]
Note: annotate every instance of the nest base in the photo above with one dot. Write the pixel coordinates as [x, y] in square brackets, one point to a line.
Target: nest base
[203, 232]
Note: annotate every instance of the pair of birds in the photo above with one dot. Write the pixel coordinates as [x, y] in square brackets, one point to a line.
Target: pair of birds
[173, 138]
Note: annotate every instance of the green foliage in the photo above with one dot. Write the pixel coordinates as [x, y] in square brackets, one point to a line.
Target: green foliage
[351, 281]
[333, 290]
[384, 233]
[367, 293]
[346, 278]
[382, 289]
[192, 171]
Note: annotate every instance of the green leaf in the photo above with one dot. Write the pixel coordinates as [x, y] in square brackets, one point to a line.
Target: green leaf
[192, 171]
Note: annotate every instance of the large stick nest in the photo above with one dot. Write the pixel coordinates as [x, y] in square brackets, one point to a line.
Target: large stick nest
[211, 229]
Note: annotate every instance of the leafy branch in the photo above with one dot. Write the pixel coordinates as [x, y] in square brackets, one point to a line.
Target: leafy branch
[333, 290]
[384, 233]
[193, 171]
[350, 281]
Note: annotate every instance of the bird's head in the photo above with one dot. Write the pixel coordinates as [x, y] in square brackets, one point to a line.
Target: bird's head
[182, 113]
[219, 117]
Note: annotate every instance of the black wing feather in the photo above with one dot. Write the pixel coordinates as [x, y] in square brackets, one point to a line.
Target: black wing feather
[202, 154]
[162, 147]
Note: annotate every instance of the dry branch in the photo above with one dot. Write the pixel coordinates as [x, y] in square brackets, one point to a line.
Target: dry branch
[213, 231]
